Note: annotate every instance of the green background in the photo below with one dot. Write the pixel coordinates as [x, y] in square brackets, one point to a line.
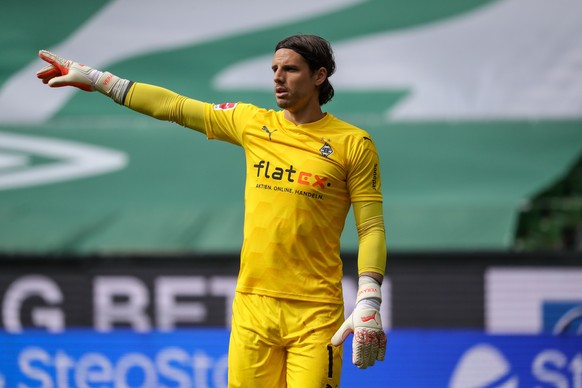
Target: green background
[452, 185]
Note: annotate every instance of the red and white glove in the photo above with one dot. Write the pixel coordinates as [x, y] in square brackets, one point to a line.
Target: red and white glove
[65, 72]
[369, 342]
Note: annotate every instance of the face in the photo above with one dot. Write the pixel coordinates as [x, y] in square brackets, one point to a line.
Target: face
[296, 87]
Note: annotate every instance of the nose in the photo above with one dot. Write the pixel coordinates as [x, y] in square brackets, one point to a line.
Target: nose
[278, 76]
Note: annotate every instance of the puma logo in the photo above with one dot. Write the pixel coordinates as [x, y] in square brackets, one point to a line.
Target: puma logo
[370, 317]
[268, 131]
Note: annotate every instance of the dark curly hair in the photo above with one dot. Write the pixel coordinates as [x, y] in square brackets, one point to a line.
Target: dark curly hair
[317, 53]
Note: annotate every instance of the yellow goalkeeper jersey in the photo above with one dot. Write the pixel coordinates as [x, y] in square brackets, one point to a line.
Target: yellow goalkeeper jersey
[300, 182]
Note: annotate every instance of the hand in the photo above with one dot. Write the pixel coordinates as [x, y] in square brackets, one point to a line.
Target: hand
[369, 342]
[64, 72]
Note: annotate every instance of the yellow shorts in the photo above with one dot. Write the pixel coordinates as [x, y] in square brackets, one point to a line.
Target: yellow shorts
[278, 343]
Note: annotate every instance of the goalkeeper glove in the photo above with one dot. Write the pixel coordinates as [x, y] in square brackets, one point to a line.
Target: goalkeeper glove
[64, 72]
[369, 342]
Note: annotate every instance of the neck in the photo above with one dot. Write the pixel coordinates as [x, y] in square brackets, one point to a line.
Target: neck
[304, 117]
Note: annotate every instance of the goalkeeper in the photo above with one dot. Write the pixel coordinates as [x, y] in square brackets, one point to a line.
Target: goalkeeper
[304, 169]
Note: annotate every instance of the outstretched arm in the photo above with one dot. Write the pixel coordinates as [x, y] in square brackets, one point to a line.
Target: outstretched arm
[153, 101]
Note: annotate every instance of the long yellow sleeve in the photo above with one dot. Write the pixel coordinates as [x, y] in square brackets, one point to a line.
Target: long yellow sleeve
[372, 237]
[164, 104]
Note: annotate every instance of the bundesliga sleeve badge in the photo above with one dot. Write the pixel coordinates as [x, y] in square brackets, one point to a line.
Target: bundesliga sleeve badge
[225, 106]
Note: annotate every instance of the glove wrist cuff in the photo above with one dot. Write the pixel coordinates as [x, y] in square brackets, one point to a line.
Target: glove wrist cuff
[112, 86]
[368, 288]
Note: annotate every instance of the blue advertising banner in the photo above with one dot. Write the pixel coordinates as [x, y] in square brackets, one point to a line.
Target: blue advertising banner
[198, 358]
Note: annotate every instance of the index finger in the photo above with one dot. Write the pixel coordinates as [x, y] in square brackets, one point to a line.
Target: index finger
[54, 59]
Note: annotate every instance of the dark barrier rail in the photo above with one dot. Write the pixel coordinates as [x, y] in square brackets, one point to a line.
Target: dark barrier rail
[464, 290]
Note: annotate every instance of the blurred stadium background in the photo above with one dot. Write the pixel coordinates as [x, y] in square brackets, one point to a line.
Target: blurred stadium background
[119, 234]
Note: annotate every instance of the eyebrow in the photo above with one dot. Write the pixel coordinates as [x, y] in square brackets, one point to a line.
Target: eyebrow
[285, 66]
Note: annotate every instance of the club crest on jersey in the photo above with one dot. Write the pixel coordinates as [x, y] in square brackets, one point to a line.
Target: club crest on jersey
[225, 106]
[326, 150]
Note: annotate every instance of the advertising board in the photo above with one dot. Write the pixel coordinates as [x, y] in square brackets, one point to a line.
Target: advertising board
[197, 358]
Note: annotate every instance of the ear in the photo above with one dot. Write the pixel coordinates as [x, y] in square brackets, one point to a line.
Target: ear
[320, 76]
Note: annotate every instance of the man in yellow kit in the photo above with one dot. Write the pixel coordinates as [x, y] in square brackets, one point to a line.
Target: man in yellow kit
[304, 168]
